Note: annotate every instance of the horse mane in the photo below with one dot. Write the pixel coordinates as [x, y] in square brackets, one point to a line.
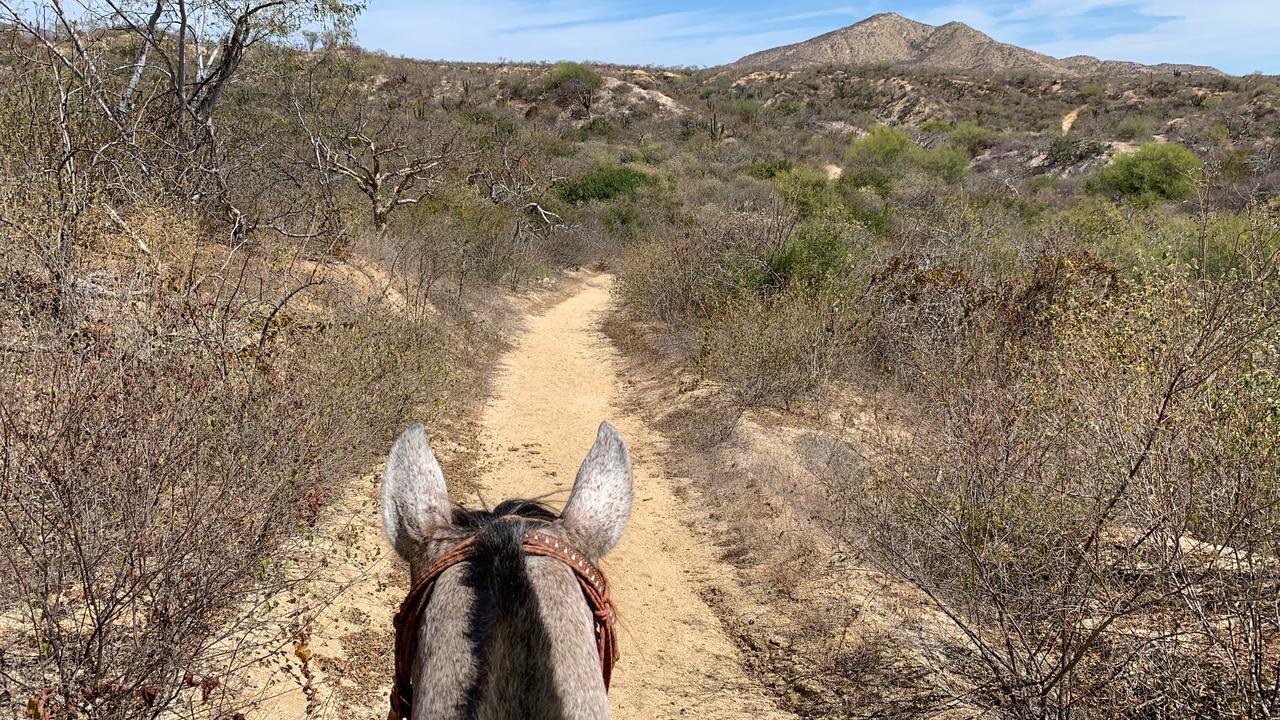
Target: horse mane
[506, 614]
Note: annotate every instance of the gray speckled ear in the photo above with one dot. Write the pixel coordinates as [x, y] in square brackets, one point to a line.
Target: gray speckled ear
[415, 498]
[600, 502]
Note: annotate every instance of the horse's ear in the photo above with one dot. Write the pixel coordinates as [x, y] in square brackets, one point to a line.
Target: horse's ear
[414, 496]
[600, 502]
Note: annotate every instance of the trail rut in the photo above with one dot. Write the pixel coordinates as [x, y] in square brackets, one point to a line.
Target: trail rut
[554, 387]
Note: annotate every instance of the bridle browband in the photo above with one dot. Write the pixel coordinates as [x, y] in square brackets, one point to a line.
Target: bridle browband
[594, 588]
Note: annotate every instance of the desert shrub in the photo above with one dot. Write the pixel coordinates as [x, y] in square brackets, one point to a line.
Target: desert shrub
[1087, 507]
[832, 254]
[779, 351]
[806, 190]
[865, 196]
[157, 459]
[1156, 171]
[882, 146]
[786, 107]
[695, 265]
[647, 151]
[1042, 184]
[768, 169]
[572, 83]
[889, 149]
[744, 110]
[603, 183]
[1066, 149]
[593, 128]
[1136, 127]
[875, 179]
[935, 126]
[971, 137]
[947, 163]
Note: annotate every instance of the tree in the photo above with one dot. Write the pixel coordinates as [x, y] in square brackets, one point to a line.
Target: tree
[184, 55]
[131, 90]
[389, 171]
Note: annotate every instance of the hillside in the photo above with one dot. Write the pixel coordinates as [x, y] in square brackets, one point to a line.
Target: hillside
[891, 38]
[950, 392]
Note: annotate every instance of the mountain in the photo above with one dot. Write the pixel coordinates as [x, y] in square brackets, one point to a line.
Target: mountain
[891, 38]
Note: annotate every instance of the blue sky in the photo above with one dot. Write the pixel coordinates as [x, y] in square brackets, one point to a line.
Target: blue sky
[1238, 36]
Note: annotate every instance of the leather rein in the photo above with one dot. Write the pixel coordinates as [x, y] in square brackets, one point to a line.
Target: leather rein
[594, 588]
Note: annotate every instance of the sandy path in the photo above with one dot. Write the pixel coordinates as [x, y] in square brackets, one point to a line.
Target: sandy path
[556, 386]
[1069, 120]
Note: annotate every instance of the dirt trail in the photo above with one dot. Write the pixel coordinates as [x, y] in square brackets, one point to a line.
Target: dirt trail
[1069, 120]
[555, 386]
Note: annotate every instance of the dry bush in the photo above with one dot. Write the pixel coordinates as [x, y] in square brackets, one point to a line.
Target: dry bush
[782, 352]
[191, 414]
[1095, 506]
[683, 272]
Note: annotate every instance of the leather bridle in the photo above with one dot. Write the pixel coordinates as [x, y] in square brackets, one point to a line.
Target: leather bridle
[594, 588]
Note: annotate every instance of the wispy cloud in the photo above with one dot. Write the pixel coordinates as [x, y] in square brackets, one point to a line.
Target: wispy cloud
[1236, 35]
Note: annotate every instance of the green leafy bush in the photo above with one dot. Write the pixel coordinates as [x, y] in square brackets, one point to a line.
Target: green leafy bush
[883, 145]
[1157, 171]
[948, 163]
[603, 183]
[971, 137]
[888, 148]
[806, 190]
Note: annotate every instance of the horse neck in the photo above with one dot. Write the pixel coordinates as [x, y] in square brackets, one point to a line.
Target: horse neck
[507, 636]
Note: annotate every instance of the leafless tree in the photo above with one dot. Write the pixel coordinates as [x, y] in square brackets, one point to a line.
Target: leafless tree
[390, 172]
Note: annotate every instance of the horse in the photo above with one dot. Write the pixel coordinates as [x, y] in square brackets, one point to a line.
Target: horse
[508, 616]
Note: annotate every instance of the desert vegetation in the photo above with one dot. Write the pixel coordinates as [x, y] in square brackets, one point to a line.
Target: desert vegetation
[229, 275]
[1081, 477]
